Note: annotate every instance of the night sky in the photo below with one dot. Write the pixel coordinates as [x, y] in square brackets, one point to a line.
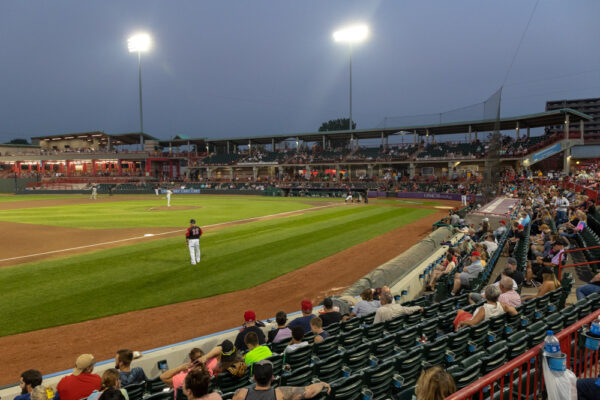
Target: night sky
[239, 68]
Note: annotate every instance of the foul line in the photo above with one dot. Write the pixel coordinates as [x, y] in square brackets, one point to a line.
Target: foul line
[162, 233]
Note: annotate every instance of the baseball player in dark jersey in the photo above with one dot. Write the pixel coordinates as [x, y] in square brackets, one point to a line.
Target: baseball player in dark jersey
[192, 239]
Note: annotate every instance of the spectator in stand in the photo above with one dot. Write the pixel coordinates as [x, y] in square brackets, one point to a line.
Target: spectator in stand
[366, 306]
[329, 315]
[490, 309]
[263, 376]
[442, 269]
[490, 244]
[434, 384]
[112, 394]
[29, 380]
[296, 342]
[282, 332]
[128, 375]
[307, 315]
[110, 380]
[255, 352]
[196, 384]
[250, 325]
[174, 377]
[41, 392]
[549, 283]
[81, 383]
[517, 276]
[470, 272]
[500, 230]
[508, 294]
[316, 326]
[389, 310]
[592, 287]
[534, 269]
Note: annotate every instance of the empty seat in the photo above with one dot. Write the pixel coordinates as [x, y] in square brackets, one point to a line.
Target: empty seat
[357, 357]
[297, 377]
[326, 348]
[379, 378]
[329, 369]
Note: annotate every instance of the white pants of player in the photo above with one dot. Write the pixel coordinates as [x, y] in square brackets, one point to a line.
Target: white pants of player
[168, 200]
[464, 199]
[349, 198]
[194, 246]
[156, 191]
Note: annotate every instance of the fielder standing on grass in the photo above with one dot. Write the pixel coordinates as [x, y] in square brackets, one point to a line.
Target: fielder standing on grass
[169, 193]
[192, 240]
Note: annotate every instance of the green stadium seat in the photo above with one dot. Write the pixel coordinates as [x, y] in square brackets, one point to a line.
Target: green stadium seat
[301, 376]
[394, 325]
[517, 344]
[570, 315]
[168, 395]
[457, 341]
[350, 324]
[135, 391]
[407, 337]
[346, 388]
[408, 365]
[326, 348]
[554, 322]
[351, 338]
[367, 319]
[277, 360]
[429, 328]
[357, 358]
[379, 378]
[434, 351]
[330, 369]
[384, 347]
[467, 372]
[373, 332]
[495, 356]
[334, 329]
[537, 333]
[406, 394]
[155, 385]
[279, 347]
[298, 358]
[229, 383]
[479, 333]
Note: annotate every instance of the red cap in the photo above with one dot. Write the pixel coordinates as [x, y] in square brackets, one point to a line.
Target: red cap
[306, 305]
[520, 227]
[503, 222]
[476, 254]
[249, 316]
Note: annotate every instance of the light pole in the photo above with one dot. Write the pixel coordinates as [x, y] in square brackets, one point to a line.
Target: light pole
[350, 35]
[137, 44]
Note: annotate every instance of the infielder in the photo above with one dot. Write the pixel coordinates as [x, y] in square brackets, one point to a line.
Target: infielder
[192, 239]
[169, 193]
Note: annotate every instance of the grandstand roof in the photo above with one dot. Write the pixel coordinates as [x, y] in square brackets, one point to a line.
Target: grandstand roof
[181, 140]
[548, 118]
[118, 138]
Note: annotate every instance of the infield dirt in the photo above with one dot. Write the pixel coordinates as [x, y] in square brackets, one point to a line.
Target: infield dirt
[55, 349]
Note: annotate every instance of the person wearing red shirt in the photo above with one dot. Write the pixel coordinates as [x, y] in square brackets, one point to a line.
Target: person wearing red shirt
[82, 382]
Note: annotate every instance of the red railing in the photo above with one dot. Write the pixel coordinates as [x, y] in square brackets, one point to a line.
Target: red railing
[583, 362]
[564, 255]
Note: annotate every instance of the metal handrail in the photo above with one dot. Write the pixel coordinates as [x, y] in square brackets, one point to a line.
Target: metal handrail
[517, 362]
[562, 256]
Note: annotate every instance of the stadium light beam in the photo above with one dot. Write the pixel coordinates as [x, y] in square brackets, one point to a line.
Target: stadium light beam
[139, 43]
[351, 35]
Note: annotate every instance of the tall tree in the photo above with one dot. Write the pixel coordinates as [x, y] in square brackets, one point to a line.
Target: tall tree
[340, 124]
[18, 141]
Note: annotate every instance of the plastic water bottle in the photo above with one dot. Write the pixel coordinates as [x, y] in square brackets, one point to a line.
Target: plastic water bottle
[551, 344]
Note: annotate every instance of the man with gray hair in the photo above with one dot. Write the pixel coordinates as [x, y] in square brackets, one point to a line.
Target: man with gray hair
[516, 275]
[508, 296]
[469, 272]
[389, 310]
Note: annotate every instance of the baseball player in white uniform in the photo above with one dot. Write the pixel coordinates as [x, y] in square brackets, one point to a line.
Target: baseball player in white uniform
[169, 193]
[192, 240]
[94, 195]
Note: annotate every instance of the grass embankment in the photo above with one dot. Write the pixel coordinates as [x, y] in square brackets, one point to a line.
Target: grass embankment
[61, 291]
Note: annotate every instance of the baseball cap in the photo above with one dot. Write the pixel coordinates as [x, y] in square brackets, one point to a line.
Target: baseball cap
[227, 350]
[486, 219]
[192, 221]
[249, 316]
[307, 305]
[511, 261]
[83, 361]
[520, 226]
[476, 254]
[503, 222]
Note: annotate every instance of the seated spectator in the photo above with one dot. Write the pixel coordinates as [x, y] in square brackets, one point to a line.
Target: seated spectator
[508, 294]
[329, 315]
[534, 269]
[516, 275]
[442, 269]
[250, 325]
[307, 315]
[434, 384]
[174, 377]
[491, 308]
[389, 310]
[262, 372]
[281, 332]
[316, 326]
[255, 352]
[29, 380]
[128, 375]
[81, 383]
[297, 340]
[366, 306]
[196, 384]
[110, 380]
[490, 244]
[592, 287]
[475, 298]
[588, 388]
[470, 272]
[41, 392]
[549, 283]
[501, 230]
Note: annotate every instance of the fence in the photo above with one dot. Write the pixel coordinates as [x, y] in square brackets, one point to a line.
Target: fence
[564, 255]
[522, 376]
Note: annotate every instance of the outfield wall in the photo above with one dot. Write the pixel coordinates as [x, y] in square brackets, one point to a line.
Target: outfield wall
[7, 185]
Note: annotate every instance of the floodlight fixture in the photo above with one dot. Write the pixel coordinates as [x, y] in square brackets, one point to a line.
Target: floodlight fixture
[139, 42]
[351, 34]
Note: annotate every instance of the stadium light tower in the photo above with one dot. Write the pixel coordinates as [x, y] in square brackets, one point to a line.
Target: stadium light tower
[351, 34]
[139, 43]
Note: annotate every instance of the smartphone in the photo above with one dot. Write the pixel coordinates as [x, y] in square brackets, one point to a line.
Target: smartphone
[162, 365]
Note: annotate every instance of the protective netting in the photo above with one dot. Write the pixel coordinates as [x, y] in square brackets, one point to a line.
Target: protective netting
[485, 110]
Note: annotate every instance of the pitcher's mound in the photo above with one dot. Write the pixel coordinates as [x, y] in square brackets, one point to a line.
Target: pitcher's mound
[173, 208]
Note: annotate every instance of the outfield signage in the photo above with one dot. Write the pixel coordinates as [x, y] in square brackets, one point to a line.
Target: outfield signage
[540, 155]
[182, 191]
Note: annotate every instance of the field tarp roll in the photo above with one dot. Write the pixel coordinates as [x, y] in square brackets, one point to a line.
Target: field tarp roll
[392, 271]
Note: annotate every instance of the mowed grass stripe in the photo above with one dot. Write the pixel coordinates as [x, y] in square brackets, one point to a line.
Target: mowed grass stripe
[155, 273]
[138, 213]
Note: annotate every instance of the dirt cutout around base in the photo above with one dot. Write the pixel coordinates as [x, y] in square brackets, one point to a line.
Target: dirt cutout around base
[57, 348]
[173, 208]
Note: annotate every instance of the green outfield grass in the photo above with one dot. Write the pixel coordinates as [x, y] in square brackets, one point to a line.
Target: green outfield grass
[139, 213]
[56, 292]
[26, 197]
